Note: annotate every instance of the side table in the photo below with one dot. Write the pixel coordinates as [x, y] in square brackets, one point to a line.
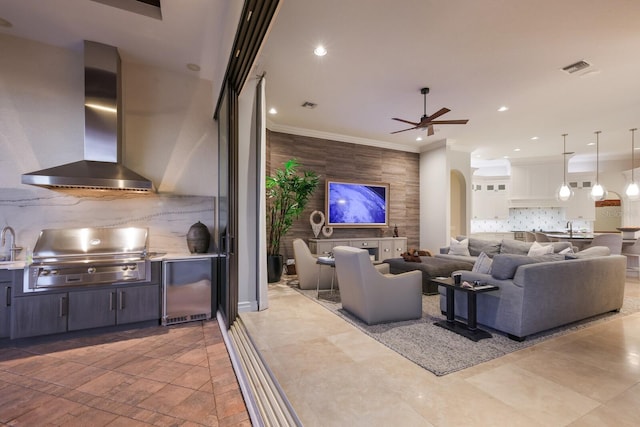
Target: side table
[470, 329]
[328, 261]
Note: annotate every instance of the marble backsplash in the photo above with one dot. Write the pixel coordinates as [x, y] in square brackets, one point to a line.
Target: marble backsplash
[168, 217]
[527, 219]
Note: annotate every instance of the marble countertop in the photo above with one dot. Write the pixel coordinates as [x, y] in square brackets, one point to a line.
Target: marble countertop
[160, 256]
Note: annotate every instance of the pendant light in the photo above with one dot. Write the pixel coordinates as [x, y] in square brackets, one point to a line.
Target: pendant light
[598, 192]
[564, 193]
[632, 191]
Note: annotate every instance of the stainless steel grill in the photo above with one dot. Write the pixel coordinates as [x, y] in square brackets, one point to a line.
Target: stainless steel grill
[88, 256]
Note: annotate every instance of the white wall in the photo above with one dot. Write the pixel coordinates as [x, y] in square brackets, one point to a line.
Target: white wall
[434, 197]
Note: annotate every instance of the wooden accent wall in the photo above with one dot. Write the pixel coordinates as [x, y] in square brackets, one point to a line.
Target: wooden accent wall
[355, 162]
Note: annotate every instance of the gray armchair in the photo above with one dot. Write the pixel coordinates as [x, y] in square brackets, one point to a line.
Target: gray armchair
[307, 269]
[372, 296]
[611, 240]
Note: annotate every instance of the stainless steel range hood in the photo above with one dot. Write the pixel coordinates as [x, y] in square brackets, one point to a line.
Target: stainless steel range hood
[102, 166]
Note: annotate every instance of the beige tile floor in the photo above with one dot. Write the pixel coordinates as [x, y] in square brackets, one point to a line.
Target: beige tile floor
[162, 376]
[335, 375]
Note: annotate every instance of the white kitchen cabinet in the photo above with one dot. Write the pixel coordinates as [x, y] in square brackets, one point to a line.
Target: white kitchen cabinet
[490, 199]
[581, 206]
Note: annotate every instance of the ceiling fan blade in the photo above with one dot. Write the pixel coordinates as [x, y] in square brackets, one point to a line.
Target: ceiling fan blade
[438, 113]
[450, 122]
[404, 130]
[430, 130]
[406, 121]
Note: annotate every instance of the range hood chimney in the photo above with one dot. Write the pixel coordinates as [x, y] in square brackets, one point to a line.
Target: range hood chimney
[102, 166]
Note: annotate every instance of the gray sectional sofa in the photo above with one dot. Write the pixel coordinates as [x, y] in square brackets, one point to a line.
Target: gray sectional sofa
[543, 292]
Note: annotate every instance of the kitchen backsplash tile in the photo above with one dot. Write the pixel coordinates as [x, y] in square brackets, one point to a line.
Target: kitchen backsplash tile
[168, 217]
[521, 219]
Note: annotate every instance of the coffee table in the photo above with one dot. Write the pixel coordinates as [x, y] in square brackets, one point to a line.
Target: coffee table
[470, 329]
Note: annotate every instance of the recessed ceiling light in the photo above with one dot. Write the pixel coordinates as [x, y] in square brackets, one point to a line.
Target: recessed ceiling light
[273, 111]
[505, 157]
[591, 143]
[320, 51]
[516, 149]
[503, 108]
[5, 23]
[534, 138]
[193, 67]
[419, 138]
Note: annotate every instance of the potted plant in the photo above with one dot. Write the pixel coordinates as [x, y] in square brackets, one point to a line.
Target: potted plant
[287, 195]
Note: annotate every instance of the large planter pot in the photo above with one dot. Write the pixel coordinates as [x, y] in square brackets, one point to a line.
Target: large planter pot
[274, 268]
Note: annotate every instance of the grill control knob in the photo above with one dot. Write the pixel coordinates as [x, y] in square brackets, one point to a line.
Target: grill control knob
[132, 267]
[44, 273]
[91, 270]
[125, 268]
[54, 272]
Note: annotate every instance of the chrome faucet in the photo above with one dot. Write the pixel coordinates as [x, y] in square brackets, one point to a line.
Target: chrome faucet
[12, 247]
[570, 227]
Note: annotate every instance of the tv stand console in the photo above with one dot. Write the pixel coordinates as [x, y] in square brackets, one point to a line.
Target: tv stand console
[380, 248]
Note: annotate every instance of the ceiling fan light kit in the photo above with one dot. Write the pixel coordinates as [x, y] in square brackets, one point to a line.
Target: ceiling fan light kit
[428, 121]
[598, 192]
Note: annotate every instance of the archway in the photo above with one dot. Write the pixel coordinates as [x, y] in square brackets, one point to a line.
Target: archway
[458, 201]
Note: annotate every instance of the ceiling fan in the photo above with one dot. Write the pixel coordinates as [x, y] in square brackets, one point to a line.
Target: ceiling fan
[429, 121]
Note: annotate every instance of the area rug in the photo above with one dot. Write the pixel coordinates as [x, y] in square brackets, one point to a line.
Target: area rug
[441, 351]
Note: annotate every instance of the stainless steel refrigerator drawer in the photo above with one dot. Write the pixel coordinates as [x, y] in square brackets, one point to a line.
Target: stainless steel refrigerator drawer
[186, 290]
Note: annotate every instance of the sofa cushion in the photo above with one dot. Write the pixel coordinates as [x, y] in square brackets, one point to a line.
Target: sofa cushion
[489, 247]
[505, 265]
[459, 247]
[592, 252]
[516, 247]
[537, 249]
[482, 264]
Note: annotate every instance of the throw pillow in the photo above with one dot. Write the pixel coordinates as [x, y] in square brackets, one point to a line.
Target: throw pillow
[566, 251]
[537, 249]
[459, 248]
[482, 264]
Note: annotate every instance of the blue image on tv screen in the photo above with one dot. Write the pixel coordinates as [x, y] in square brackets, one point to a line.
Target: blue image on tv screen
[357, 204]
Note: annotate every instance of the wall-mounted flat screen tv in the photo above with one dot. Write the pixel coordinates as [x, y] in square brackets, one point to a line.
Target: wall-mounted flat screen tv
[353, 204]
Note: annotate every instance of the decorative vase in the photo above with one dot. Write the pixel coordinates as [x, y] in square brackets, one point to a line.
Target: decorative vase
[198, 238]
[274, 268]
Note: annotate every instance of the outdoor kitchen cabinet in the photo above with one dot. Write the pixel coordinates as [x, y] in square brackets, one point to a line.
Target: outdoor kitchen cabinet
[39, 315]
[85, 307]
[108, 307]
[5, 303]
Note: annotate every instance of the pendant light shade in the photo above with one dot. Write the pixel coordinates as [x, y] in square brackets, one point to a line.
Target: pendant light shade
[632, 191]
[598, 192]
[565, 192]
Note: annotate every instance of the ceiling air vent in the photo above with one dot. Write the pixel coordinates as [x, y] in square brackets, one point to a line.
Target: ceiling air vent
[150, 8]
[309, 105]
[578, 66]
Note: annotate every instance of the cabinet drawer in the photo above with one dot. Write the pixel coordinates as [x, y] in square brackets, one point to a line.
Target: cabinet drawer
[364, 243]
